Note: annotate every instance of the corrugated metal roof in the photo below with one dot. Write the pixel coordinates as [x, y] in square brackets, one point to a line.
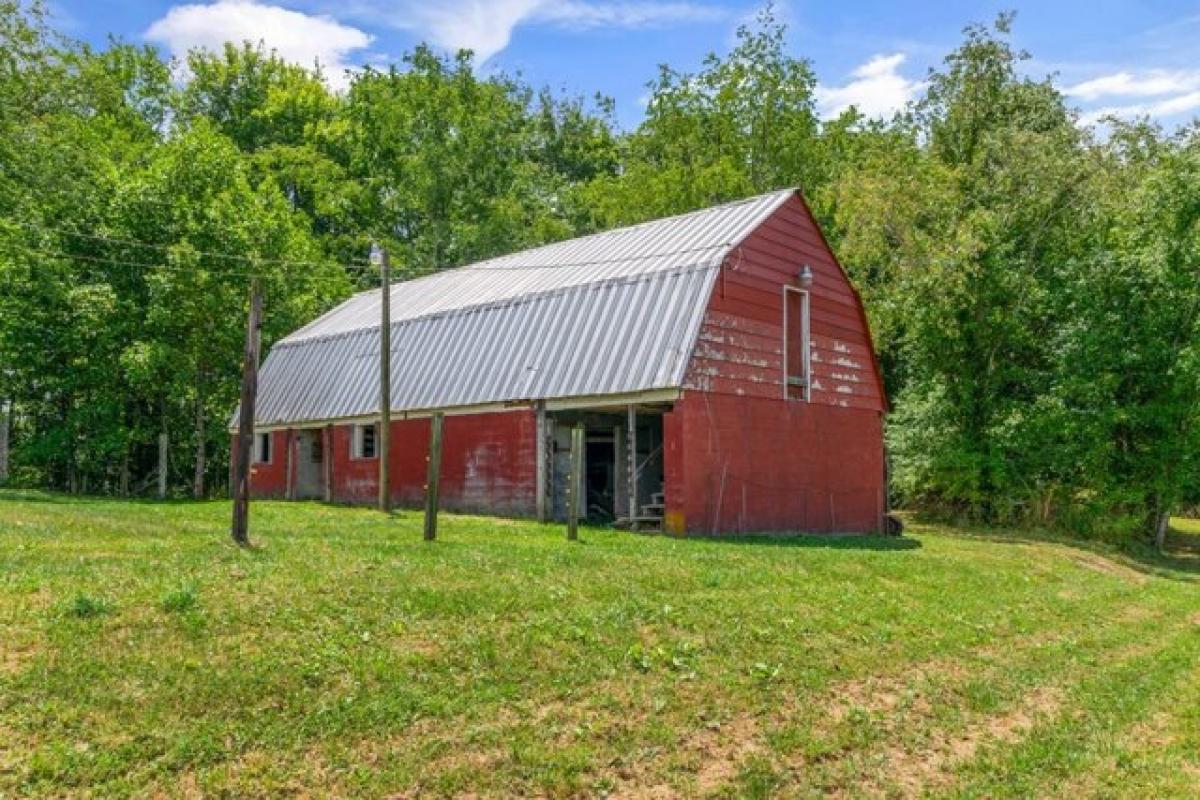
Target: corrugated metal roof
[610, 313]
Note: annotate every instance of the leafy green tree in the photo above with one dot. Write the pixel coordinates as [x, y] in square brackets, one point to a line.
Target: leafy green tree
[457, 168]
[1127, 399]
[211, 233]
[958, 232]
[744, 124]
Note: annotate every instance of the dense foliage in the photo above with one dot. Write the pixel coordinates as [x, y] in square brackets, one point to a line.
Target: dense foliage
[1034, 286]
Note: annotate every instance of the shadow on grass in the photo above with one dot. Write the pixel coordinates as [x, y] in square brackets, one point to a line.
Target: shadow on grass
[832, 541]
[1180, 561]
[39, 496]
[64, 499]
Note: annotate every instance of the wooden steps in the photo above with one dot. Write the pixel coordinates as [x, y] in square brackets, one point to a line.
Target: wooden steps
[650, 517]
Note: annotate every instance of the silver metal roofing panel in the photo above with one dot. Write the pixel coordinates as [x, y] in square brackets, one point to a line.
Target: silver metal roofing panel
[611, 313]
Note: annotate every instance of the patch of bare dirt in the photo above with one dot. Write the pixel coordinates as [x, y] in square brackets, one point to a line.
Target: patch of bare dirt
[1105, 566]
[717, 751]
[14, 659]
[883, 694]
[916, 772]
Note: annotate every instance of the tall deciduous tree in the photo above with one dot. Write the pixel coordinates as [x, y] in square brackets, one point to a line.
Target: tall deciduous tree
[744, 123]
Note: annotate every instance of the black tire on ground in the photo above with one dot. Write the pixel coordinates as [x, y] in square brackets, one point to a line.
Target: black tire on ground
[895, 526]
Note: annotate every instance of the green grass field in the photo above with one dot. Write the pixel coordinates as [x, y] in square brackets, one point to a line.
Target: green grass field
[142, 654]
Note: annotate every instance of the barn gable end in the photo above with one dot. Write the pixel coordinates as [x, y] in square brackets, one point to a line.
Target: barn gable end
[739, 350]
[742, 457]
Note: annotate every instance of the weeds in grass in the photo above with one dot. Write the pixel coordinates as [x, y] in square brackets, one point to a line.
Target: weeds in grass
[85, 607]
[184, 598]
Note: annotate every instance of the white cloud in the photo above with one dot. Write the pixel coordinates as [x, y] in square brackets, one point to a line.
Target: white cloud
[1169, 107]
[300, 38]
[1151, 83]
[576, 14]
[1174, 92]
[877, 89]
[486, 26]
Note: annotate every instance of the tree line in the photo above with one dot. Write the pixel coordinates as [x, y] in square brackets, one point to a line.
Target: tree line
[1033, 284]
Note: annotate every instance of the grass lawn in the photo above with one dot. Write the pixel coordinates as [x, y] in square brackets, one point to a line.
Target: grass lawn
[142, 654]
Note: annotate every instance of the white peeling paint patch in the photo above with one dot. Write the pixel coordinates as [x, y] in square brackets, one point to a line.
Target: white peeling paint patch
[845, 376]
[844, 390]
[840, 347]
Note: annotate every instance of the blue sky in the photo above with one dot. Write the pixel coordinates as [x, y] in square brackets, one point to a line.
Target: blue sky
[1115, 56]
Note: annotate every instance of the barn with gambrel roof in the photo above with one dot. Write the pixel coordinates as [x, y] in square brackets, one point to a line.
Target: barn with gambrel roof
[720, 362]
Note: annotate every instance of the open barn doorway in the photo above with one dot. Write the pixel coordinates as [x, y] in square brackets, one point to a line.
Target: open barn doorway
[611, 465]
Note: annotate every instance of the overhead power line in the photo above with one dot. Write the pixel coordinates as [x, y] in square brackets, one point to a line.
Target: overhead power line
[155, 266]
[171, 247]
[409, 274]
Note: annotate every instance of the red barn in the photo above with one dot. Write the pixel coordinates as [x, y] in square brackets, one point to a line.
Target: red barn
[720, 361]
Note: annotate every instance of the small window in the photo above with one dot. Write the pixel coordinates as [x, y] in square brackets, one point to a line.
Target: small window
[317, 451]
[797, 357]
[364, 441]
[262, 448]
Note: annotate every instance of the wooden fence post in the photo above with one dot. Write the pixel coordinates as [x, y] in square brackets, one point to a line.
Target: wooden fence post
[434, 474]
[5, 415]
[574, 491]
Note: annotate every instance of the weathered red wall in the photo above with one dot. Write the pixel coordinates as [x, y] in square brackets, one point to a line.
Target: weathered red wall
[488, 464]
[744, 464]
[269, 481]
[739, 456]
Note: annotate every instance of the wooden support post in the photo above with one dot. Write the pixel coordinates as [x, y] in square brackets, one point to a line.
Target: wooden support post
[632, 476]
[290, 441]
[575, 482]
[620, 478]
[540, 470]
[327, 461]
[385, 379]
[245, 440]
[433, 476]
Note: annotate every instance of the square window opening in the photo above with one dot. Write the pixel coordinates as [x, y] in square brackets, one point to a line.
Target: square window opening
[262, 448]
[365, 439]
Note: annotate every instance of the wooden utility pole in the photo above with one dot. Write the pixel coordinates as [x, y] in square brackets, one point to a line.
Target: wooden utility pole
[433, 475]
[575, 482]
[379, 256]
[245, 437]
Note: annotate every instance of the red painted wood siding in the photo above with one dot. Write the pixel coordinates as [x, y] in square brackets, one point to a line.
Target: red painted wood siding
[740, 347]
[740, 457]
[488, 464]
[745, 464]
[269, 480]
